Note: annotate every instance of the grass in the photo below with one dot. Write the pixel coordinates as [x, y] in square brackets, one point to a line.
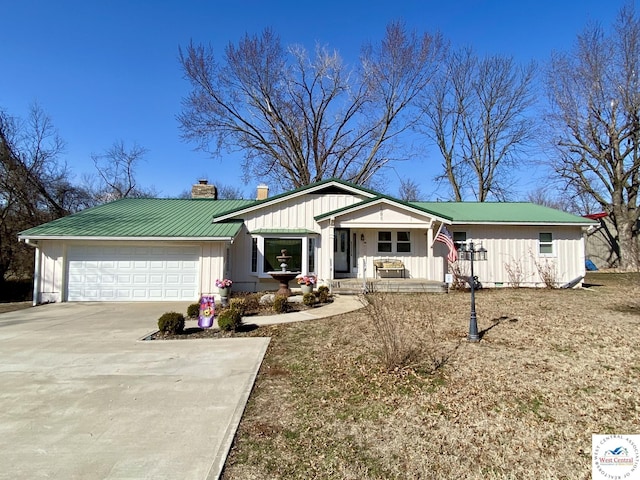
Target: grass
[553, 367]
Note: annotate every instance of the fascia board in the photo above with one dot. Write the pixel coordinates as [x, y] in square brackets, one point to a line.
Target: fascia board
[281, 198]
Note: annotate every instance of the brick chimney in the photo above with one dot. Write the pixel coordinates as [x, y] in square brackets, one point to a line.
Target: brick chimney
[202, 189]
[262, 192]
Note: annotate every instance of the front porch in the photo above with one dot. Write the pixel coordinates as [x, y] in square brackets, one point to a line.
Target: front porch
[354, 286]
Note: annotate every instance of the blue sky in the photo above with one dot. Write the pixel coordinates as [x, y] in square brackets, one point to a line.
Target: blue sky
[107, 71]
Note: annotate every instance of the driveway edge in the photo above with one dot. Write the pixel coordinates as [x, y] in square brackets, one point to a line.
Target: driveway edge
[227, 440]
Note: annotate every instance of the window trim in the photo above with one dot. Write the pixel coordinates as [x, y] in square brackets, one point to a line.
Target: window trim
[385, 242]
[457, 241]
[309, 249]
[393, 242]
[403, 242]
[550, 244]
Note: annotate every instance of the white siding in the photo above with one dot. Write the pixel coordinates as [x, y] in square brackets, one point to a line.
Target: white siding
[517, 246]
[297, 212]
[294, 213]
[53, 282]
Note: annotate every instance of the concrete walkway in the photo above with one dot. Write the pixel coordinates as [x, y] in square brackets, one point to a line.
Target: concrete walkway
[341, 304]
[82, 398]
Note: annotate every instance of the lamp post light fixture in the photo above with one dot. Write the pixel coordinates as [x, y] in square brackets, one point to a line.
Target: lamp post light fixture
[470, 251]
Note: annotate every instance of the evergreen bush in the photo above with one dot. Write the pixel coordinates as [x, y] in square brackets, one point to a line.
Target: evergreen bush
[309, 299]
[239, 304]
[281, 304]
[229, 319]
[171, 323]
[323, 294]
[193, 310]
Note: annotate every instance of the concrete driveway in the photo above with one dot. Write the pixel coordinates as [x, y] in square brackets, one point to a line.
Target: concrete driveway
[82, 398]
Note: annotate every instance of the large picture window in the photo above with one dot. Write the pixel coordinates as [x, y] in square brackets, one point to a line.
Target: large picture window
[272, 249]
[301, 249]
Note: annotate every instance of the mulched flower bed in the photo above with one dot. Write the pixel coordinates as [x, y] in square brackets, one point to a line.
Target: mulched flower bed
[247, 329]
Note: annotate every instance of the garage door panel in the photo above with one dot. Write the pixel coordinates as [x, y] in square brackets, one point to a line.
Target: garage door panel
[128, 273]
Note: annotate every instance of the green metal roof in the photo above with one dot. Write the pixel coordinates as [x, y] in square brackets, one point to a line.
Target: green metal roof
[322, 186]
[193, 218]
[502, 212]
[146, 217]
[375, 199]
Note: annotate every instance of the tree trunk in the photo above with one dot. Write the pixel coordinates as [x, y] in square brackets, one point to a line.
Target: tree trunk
[628, 243]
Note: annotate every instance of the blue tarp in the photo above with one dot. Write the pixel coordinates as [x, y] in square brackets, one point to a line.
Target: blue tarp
[591, 267]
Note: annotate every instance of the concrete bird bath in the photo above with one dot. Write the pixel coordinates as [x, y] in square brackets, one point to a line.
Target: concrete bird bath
[283, 276]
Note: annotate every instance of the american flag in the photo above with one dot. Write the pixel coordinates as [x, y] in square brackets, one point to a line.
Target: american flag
[445, 237]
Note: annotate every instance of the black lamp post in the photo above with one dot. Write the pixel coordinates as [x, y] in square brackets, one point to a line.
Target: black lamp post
[470, 251]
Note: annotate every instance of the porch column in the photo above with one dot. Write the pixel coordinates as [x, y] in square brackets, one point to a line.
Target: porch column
[332, 239]
[430, 252]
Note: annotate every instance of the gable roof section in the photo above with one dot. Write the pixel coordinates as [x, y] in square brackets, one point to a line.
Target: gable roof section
[522, 213]
[330, 185]
[134, 218]
[387, 200]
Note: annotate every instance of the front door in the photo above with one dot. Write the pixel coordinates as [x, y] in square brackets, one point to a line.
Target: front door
[341, 250]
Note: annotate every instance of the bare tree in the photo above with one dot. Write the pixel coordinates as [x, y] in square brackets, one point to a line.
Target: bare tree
[34, 184]
[116, 169]
[557, 196]
[594, 93]
[409, 190]
[230, 192]
[476, 113]
[299, 118]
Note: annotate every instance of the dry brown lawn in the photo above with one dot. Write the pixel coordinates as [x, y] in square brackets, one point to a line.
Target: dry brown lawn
[553, 367]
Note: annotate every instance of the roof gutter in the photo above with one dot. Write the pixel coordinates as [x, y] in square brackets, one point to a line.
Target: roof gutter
[34, 240]
[527, 224]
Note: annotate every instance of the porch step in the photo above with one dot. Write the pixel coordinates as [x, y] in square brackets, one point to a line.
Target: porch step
[354, 286]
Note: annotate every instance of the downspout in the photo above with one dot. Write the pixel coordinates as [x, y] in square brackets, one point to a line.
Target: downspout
[36, 269]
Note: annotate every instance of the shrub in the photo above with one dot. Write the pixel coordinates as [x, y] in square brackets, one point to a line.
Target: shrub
[515, 273]
[309, 299]
[460, 276]
[252, 302]
[403, 332]
[239, 304]
[281, 304]
[323, 294]
[193, 310]
[229, 319]
[171, 323]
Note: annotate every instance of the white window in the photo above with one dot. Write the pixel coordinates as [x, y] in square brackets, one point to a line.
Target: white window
[545, 244]
[389, 242]
[384, 242]
[403, 242]
[264, 251]
[459, 238]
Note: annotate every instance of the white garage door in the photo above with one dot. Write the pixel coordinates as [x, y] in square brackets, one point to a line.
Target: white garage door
[132, 273]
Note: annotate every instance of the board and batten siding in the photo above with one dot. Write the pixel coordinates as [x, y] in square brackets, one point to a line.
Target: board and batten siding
[294, 213]
[297, 212]
[416, 262]
[517, 248]
[52, 264]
